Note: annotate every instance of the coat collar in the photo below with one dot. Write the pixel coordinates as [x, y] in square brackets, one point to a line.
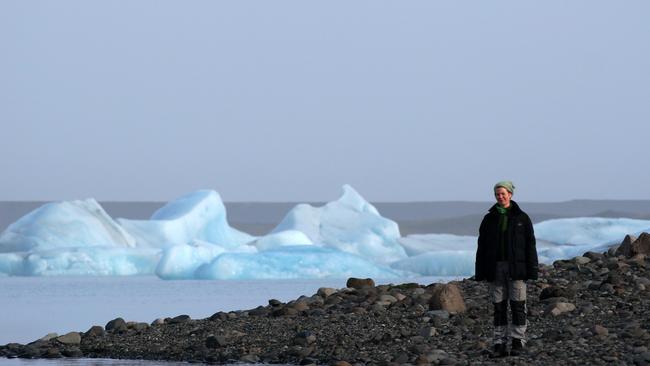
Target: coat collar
[514, 208]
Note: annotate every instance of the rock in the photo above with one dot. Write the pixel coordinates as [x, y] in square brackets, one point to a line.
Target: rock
[180, 319]
[442, 314]
[632, 246]
[387, 299]
[555, 291]
[158, 321]
[301, 306]
[594, 256]
[116, 325]
[599, 330]
[341, 363]
[249, 359]
[581, 260]
[359, 283]
[428, 332]
[275, 302]
[215, 341]
[48, 336]
[70, 338]
[284, 311]
[52, 353]
[95, 331]
[447, 297]
[220, 315]
[401, 358]
[139, 327]
[72, 352]
[558, 308]
[325, 292]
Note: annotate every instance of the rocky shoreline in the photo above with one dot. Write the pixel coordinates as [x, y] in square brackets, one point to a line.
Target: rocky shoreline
[592, 309]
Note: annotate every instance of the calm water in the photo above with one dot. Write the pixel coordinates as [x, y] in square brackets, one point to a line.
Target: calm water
[31, 307]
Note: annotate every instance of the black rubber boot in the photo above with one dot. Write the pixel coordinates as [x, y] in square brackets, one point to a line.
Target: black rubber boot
[500, 350]
[518, 347]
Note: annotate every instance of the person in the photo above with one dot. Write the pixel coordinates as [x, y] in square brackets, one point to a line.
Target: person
[506, 257]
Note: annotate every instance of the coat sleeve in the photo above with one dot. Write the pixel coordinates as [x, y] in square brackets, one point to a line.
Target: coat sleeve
[479, 272]
[531, 252]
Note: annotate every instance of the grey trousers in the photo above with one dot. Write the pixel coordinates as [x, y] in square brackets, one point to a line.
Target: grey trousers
[504, 291]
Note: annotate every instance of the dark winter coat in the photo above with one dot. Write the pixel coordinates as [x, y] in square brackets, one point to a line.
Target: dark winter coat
[520, 244]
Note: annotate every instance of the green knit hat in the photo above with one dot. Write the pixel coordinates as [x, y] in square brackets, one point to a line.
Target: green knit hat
[508, 185]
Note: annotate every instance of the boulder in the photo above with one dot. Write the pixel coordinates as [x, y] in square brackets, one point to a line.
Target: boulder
[359, 283]
[556, 291]
[95, 331]
[215, 341]
[116, 325]
[179, 319]
[599, 330]
[632, 246]
[428, 332]
[70, 338]
[558, 308]
[447, 297]
[581, 260]
[325, 292]
[48, 337]
[301, 306]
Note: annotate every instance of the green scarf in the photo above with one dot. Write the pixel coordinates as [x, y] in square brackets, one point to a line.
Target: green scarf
[503, 227]
[503, 218]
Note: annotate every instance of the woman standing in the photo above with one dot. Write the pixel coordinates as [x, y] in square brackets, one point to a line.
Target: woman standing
[506, 257]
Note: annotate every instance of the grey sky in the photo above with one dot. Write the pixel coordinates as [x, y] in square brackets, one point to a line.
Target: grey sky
[288, 100]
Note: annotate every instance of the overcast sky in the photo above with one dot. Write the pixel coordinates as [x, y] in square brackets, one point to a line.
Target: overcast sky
[288, 100]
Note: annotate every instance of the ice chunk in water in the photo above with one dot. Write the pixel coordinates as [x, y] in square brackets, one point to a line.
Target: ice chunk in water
[63, 225]
[349, 224]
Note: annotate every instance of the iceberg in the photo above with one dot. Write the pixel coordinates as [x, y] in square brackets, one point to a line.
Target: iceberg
[439, 263]
[349, 224]
[81, 261]
[81, 223]
[281, 239]
[293, 262]
[586, 231]
[200, 215]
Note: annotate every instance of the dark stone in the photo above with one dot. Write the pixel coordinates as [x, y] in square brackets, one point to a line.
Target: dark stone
[216, 341]
[274, 302]
[52, 353]
[116, 325]
[218, 316]
[180, 319]
[72, 352]
[556, 291]
[95, 331]
[359, 283]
